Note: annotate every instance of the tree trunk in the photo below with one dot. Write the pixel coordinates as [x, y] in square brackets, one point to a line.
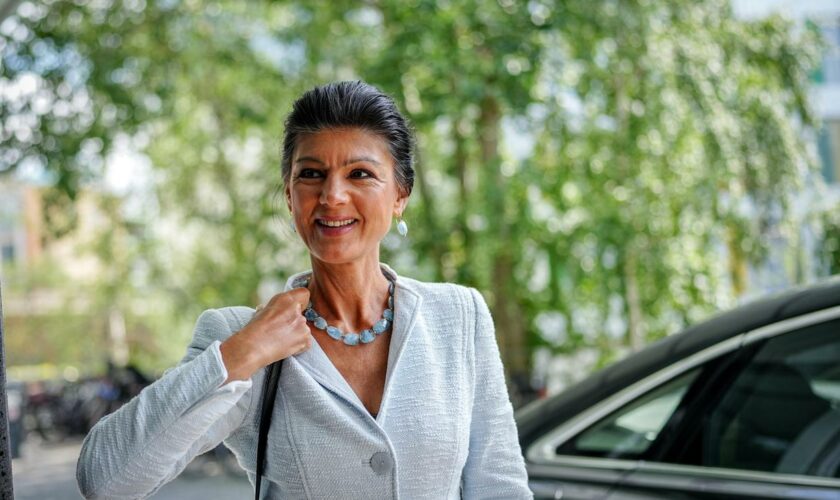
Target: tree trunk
[117, 337]
[635, 335]
[6, 486]
[460, 159]
[510, 323]
[737, 263]
[430, 216]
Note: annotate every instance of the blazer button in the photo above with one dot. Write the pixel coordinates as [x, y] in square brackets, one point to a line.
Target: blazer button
[381, 463]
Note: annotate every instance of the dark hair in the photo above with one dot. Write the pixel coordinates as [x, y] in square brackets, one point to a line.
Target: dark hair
[352, 104]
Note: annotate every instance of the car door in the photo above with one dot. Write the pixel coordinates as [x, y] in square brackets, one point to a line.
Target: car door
[589, 456]
[770, 429]
[753, 417]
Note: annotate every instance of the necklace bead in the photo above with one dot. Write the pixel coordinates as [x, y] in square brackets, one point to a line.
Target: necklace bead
[334, 332]
[365, 336]
[351, 339]
[380, 326]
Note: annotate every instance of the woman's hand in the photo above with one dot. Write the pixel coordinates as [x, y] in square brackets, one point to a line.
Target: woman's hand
[278, 330]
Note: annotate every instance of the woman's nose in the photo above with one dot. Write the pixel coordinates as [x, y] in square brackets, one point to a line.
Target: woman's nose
[334, 191]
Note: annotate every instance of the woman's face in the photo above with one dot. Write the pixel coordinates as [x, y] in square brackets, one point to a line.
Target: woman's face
[342, 193]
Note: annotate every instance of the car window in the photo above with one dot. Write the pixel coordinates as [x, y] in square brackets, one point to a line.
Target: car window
[781, 413]
[629, 432]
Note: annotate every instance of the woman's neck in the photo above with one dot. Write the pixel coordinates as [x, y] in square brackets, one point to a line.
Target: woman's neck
[349, 296]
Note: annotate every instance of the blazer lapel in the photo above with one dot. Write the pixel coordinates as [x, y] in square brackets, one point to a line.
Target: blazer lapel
[406, 306]
[317, 364]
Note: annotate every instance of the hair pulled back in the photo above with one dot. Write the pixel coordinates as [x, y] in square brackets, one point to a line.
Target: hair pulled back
[352, 104]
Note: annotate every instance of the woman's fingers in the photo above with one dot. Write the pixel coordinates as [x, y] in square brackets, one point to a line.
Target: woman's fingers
[306, 345]
[299, 296]
[279, 327]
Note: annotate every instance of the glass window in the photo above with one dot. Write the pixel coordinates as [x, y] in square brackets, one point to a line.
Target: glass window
[629, 432]
[7, 253]
[829, 150]
[781, 413]
[831, 57]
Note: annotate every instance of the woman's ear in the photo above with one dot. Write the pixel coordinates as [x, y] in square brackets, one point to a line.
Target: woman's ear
[288, 194]
[399, 205]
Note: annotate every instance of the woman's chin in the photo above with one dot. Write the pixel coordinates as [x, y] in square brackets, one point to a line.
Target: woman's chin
[337, 256]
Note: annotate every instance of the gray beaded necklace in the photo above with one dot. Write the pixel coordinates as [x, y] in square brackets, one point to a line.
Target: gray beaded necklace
[365, 336]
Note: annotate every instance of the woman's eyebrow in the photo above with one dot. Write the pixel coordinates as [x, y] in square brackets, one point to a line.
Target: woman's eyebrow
[360, 160]
[308, 158]
[348, 162]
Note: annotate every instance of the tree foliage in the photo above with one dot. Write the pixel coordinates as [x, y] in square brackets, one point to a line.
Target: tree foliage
[602, 171]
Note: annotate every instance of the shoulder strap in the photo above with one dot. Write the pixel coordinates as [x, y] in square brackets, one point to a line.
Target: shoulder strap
[268, 396]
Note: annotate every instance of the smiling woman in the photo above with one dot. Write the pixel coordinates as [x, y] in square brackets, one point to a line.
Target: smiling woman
[343, 183]
[390, 388]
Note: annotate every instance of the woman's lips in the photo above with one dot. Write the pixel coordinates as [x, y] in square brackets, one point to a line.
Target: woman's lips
[335, 230]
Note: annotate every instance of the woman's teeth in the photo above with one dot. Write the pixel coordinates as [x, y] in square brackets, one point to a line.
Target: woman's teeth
[336, 223]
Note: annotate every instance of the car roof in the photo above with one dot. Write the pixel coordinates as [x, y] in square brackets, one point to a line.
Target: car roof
[535, 419]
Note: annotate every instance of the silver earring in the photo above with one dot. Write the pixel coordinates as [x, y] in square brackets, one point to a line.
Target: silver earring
[292, 225]
[402, 227]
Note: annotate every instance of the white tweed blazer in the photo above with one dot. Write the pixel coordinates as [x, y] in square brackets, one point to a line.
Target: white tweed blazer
[444, 430]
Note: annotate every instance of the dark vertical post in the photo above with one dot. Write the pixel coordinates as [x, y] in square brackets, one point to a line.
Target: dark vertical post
[6, 489]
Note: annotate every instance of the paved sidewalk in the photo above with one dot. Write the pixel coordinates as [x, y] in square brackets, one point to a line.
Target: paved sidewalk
[48, 472]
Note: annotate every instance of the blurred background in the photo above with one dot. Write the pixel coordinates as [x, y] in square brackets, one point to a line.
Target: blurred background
[605, 172]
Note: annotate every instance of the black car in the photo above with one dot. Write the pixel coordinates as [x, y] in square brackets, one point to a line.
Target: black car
[745, 405]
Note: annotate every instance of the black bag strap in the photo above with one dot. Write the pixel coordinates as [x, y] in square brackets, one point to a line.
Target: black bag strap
[268, 396]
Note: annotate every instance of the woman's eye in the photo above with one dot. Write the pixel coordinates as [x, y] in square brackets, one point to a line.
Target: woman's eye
[309, 173]
[360, 174]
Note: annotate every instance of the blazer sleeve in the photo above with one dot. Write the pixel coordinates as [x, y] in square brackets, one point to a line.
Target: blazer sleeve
[148, 442]
[495, 467]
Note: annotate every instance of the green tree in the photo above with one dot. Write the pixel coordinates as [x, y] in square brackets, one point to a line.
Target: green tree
[831, 243]
[613, 164]
[670, 131]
